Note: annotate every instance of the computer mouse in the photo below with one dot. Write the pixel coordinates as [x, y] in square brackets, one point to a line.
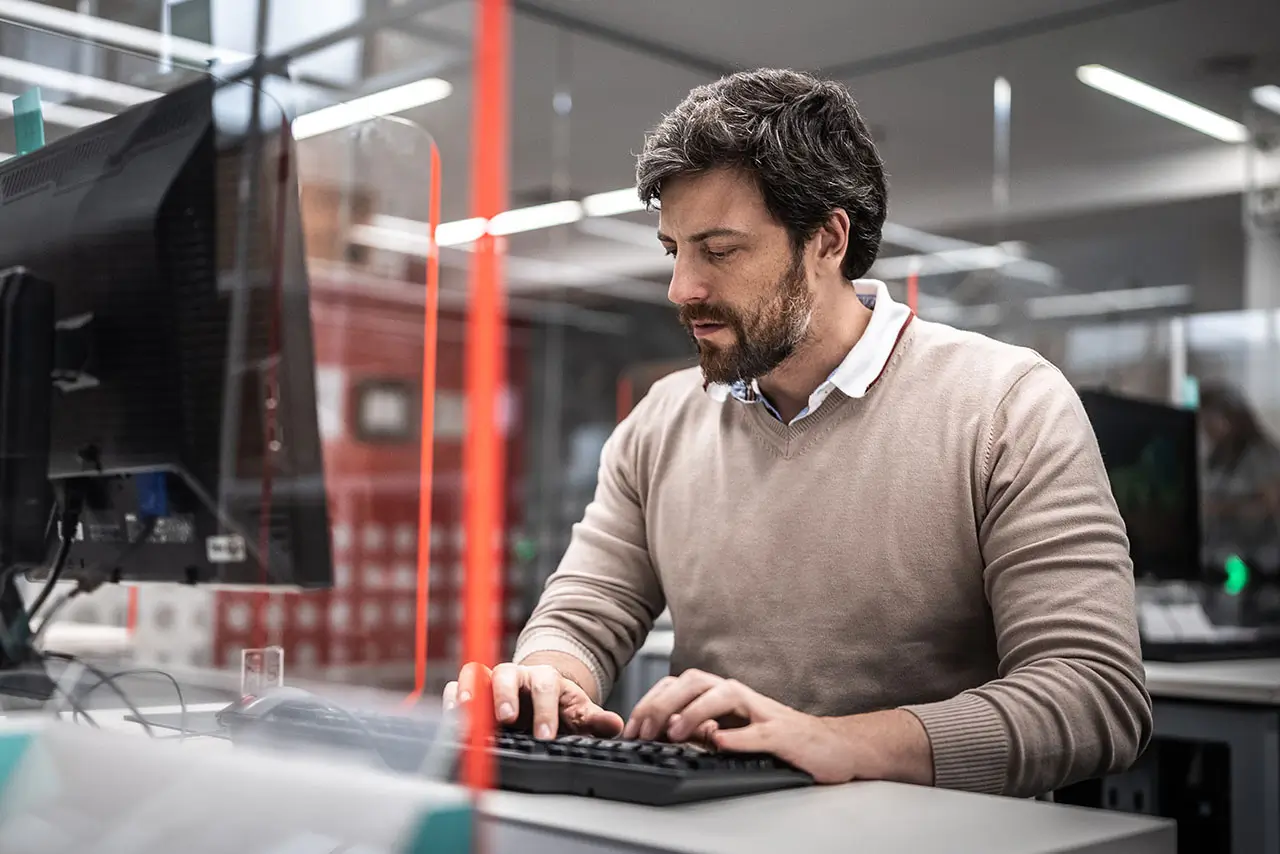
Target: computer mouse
[257, 706]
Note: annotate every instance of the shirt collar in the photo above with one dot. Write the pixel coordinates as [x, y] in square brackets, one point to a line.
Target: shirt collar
[866, 361]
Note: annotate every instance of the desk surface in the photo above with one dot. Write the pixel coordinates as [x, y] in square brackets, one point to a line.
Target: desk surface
[1254, 682]
[879, 817]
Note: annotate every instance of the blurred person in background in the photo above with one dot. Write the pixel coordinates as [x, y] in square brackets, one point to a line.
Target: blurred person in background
[889, 547]
[1241, 483]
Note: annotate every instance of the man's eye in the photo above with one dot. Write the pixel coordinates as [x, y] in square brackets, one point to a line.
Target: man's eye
[669, 251]
[721, 254]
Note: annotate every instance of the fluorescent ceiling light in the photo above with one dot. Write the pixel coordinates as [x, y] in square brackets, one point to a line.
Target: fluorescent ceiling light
[613, 203]
[1060, 306]
[1008, 258]
[115, 33]
[58, 114]
[392, 239]
[1107, 302]
[1267, 97]
[385, 103]
[921, 241]
[1162, 103]
[536, 217]
[621, 231]
[80, 85]
[1002, 96]
[460, 232]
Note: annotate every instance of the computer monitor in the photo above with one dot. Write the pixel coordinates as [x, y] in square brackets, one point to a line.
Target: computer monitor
[26, 360]
[1150, 452]
[133, 222]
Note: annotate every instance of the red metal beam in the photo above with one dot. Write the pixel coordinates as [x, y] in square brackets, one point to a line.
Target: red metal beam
[426, 459]
[483, 451]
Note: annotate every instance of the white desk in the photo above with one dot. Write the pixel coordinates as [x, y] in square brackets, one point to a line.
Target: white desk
[871, 818]
[1248, 682]
[868, 817]
[1236, 703]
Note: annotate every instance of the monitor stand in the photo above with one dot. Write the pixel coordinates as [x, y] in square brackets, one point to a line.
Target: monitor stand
[26, 500]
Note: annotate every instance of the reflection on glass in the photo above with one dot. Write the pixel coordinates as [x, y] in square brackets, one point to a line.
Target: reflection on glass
[1241, 481]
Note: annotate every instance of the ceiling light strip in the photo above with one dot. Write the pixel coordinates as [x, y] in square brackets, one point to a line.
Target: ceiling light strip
[80, 85]
[1162, 103]
[385, 103]
[1267, 97]
[59, 114]
[115, 33]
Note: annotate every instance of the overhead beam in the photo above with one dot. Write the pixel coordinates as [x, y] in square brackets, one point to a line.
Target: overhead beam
[941, 49]
[992, 37]
[638, 44]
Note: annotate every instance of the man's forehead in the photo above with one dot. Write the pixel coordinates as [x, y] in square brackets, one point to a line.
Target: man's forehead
[718, 202]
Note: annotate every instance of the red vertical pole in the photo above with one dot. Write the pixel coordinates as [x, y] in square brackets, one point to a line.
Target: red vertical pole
[131, 615]
[913, 289]
[485, 362]
[426, 459]
[624, 398]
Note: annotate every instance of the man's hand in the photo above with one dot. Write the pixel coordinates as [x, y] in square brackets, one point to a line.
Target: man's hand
[536, 697]
[702, 707]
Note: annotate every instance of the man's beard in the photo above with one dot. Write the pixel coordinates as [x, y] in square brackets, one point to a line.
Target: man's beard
[765, 337]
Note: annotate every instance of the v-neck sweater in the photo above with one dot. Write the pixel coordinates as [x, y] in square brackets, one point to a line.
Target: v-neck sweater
[947, 544]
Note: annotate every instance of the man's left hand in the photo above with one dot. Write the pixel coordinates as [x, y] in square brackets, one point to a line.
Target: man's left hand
[700, 706]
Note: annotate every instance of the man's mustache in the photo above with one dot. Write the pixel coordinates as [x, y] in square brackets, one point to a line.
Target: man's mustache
[700, 313]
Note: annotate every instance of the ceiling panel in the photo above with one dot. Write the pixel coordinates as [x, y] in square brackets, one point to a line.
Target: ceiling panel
[803, 33]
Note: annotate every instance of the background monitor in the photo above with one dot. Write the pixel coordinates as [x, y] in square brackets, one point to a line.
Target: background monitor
[133, 221]
[1150, 451]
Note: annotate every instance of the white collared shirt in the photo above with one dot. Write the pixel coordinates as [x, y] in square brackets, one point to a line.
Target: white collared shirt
[859, 370]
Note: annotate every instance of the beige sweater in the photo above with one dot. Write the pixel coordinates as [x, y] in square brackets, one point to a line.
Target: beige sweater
[947, 543]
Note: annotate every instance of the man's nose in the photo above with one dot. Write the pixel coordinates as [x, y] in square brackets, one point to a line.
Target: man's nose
[686, 286]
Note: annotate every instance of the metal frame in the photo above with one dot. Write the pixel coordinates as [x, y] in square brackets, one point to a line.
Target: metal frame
[1252, 736]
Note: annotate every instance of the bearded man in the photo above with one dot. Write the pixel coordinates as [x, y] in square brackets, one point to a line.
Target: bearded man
[888, 547]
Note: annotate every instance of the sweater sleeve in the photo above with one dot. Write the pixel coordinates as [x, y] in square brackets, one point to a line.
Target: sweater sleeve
[602, 600]
[1070, 700]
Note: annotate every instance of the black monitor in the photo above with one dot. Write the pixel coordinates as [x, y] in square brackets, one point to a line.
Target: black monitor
[26, 360]
[133, 223]
[1150, 451]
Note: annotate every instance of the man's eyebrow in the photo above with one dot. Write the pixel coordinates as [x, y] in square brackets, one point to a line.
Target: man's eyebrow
[706, 235]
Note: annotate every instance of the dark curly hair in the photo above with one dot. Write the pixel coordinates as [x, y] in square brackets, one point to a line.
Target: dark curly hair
[800, 137]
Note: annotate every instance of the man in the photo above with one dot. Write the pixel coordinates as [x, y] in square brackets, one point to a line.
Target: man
[889, 548]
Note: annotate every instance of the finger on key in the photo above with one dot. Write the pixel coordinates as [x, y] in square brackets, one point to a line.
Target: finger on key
[473, 682]
[506, 692]
[641, 711]
[688, 687]
[544, 686]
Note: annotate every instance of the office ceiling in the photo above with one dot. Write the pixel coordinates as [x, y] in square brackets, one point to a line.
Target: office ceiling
[922, 70]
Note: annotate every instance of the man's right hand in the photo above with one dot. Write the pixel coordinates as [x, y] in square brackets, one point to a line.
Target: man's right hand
[536, 697]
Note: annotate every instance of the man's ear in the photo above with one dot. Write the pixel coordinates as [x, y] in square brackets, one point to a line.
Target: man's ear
[832, 240]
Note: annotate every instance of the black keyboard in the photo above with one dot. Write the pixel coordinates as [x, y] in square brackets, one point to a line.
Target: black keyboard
[642, 772]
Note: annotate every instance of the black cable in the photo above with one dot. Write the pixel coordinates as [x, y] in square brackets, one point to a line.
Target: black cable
[87, 583]
[107, 679]
[67, 524]
[146, 671]
[59, 563]
[53, 612]
[77, 707]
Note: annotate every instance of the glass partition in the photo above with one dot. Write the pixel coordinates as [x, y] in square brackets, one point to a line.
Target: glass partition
[287, 361]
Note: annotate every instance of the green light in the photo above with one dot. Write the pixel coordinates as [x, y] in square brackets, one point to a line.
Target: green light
[1237, 575]
[525, 550]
